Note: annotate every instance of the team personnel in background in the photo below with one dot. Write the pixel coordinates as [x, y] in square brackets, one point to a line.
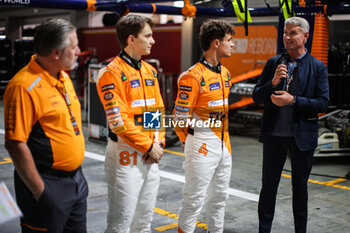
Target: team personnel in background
[203, 96]
[127, 87]
[293, 95]
[44, 137]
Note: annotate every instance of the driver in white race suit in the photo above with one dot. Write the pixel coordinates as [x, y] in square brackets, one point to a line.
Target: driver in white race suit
[127, 87]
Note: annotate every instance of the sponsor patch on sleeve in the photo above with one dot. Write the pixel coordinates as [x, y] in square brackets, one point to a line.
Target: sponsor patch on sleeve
[183, 96]
[111, 111]
[107, 87]
[108, 96]
[118, 130]
[180, 116]
[185, 103]
[182, 109]
[116, 124]
[111, 104]
[185, 88]
[114, 117]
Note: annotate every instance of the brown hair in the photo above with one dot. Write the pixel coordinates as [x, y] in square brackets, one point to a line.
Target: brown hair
[212, 30]
[130, 25]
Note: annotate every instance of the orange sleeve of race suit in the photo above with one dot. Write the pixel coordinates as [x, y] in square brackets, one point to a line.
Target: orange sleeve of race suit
[111, 90]
[187, 95]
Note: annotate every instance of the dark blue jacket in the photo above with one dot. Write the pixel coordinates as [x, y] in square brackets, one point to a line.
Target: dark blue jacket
[312, 98]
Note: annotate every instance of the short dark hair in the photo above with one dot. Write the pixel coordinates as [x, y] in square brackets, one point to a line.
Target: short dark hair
[212, 30]
[52, 34]
[131, 25]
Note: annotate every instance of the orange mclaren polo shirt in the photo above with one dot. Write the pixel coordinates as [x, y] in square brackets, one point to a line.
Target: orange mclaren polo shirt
[36, 112]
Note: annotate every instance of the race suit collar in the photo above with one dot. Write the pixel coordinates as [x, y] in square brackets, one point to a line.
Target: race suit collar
[132, 62]
[216, 69]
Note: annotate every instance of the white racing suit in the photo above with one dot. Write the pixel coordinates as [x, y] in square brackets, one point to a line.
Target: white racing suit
[203, 96]
[204, 175]
[127, 89]
[132, 189]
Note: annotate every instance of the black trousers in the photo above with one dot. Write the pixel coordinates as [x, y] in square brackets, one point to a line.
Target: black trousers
[275, 151]
[61, 208]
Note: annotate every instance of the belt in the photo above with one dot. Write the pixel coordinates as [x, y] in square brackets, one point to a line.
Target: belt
[190, 131]
[58, 173]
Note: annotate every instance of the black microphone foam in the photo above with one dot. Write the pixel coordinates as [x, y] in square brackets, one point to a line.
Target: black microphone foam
[284, 56]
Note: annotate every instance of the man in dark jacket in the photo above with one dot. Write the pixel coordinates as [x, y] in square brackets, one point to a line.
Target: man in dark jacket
[294, 89]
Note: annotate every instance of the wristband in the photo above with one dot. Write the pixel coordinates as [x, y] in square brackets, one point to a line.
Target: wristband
[149, 150]
[293, 101]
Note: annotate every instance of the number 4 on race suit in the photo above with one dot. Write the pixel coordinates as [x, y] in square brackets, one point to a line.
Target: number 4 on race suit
[203, 149]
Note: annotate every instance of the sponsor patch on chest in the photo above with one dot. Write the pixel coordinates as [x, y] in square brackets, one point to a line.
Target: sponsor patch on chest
[214, 86]
[149, 82]
[215, 103]
[135, 83]
[141, 102]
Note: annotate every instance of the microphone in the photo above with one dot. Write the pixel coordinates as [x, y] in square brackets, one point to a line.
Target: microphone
[285, 58]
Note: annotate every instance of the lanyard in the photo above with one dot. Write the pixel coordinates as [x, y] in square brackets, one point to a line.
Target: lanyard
[66, 99]
[291, 72]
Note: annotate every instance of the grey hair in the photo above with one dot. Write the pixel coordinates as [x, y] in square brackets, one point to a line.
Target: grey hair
[300, 22]
[52, 34]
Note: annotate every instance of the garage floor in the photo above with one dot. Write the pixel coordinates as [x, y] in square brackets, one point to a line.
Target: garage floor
[329, 192]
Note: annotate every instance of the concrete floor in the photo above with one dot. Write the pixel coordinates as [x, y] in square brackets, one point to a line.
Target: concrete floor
[329, 196]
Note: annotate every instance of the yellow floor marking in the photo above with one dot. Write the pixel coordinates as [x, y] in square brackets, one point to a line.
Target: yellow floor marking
[331, 183]
[173, 225]
[174, 152]
[286, 175]
[166, 227]
[6, 160]
[165, 213]
[335, 181]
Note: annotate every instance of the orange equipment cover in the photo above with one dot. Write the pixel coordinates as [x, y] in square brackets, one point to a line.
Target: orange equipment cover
[259, 45]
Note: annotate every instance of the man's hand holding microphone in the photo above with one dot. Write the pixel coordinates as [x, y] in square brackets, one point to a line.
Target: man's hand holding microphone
[281, 98]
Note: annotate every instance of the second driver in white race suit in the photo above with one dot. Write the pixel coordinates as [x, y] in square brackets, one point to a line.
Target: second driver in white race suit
[202, 100]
